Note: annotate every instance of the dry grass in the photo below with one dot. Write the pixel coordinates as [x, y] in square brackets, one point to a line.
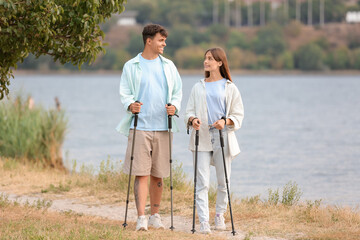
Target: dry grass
[252, 216]
[29, 223]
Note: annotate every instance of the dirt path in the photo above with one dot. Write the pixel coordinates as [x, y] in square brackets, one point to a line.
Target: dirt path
[74, 206]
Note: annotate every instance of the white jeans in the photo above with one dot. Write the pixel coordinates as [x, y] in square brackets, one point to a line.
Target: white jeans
[203, 176]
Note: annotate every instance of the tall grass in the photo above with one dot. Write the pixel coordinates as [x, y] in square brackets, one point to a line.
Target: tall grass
[32, 134]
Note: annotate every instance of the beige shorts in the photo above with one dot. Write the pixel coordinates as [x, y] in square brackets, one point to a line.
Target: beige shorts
[151, 154]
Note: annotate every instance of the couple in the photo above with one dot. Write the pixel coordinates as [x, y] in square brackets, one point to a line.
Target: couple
[214, 104]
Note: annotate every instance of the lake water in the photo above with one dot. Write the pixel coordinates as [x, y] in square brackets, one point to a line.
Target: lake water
[296, 128]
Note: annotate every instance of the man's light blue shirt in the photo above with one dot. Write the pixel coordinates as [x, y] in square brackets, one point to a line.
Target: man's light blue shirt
[216, 100]
[130, 87]
[153, 95]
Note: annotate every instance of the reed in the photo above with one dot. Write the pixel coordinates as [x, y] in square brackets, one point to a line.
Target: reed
[32, 133]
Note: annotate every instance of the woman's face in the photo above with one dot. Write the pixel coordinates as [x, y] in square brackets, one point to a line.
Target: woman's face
[210, 64]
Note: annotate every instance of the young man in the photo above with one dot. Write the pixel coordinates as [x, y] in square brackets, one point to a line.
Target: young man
[154, 81]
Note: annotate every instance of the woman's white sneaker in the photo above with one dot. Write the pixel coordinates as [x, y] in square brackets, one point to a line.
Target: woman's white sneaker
[155, 221]
[205, 228]
[220, 222]
[142, 223]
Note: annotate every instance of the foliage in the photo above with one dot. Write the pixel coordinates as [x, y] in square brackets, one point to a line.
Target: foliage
[356, 57]
[270, 40]
[190, 57]
[290, 195]
[66, 30]
[339, 58]
[310, 57]
[283, 61]
[32, 134]
[293, 29]
[237, 39]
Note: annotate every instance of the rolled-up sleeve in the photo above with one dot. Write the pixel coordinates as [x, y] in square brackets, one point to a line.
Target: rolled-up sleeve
[236, 112]
[127, 96]
[177, 90]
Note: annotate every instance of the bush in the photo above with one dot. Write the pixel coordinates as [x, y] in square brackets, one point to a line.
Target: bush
[284, 61]
[179, 37]
[190, 57]
[339, 58]
[237, 39]
[356, 57]
[310, 57]
[293, 29]
[270, 41]
[32, 133]
[291, 194]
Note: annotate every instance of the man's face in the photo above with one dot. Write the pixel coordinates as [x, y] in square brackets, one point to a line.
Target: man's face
[157, 44]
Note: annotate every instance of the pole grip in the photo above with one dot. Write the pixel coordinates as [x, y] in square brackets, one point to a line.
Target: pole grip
[197, 138]
[169, 122]
[221, 139]
[135, 119]
[169, 119]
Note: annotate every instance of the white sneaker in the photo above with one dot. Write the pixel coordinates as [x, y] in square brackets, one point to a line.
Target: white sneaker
[220, 222]
[141, 223]
[205, 228]
[155, 221]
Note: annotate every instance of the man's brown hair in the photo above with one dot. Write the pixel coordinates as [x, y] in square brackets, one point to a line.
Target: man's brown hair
[151, 30]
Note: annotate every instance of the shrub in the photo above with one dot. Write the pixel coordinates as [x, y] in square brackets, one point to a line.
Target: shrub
[270, 40]
[291, 194]
[32, 133]
[293, 29]
[190, 57]
[284, 61]
[356, 57]
[237, 39]
[310, 57]
[339, 58]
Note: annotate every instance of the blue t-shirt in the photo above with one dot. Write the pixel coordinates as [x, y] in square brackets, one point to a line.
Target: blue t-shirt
[216, 101]
[153, 94]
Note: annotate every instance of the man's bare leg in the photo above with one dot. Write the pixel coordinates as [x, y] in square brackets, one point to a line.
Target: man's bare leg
[140, 192]
[156, 188]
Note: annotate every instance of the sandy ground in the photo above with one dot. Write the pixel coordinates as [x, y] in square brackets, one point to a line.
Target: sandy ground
[113, 212]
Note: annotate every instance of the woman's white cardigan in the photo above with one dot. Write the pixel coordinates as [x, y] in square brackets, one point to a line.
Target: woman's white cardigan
[197, 107]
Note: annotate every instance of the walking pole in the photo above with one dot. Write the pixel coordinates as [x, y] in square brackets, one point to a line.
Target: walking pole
[226, 179]
[171, 185]
[131, 161]
[196, 158]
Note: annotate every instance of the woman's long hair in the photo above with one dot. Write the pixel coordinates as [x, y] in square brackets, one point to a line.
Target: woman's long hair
[220, 56]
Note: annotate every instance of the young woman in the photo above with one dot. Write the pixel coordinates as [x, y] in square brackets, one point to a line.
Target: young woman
[215, 104]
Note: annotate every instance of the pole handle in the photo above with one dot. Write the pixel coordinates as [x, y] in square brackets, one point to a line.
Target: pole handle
[136, 116]
[221, 139]
[197, 138]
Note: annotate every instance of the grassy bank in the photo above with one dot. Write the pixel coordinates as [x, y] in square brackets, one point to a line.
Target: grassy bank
[282, 214]
[32, 133]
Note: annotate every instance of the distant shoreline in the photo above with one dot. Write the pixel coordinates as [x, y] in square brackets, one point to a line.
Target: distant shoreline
[192, 72]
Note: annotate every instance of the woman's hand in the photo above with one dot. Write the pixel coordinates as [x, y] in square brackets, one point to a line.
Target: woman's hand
[219, 124]
[196, 123]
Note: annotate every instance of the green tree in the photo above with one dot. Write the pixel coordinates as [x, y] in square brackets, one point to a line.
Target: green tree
[237, 39]
[340, 58]
[356, 56]
[310, 57]
[270, 40]
[67, 30]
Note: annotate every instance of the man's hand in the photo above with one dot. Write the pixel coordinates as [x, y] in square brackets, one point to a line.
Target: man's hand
[170, 109]
[135, 107]
[219, 124]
